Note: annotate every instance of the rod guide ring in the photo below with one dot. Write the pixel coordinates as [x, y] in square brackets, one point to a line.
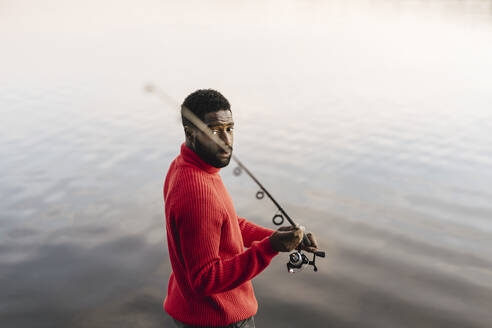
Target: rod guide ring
[237, 171]
[278, 219]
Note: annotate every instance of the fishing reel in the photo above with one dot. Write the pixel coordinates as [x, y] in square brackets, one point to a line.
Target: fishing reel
[297, 261]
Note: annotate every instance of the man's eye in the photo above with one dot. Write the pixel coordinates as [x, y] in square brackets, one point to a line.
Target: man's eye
[217, 131]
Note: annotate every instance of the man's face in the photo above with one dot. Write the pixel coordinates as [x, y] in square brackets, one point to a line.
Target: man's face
[222, 125]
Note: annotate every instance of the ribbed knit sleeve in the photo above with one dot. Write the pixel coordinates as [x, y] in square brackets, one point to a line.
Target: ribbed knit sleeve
[252, 232]
[199, 225]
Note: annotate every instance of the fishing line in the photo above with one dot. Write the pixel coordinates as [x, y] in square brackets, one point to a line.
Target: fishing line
[296, 259]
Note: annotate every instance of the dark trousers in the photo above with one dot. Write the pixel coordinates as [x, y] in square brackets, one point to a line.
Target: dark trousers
[246, 323]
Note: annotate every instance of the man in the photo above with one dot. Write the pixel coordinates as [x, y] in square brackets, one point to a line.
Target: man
[211, 280]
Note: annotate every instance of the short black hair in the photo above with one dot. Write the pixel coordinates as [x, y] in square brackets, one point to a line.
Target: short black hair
[204, 101]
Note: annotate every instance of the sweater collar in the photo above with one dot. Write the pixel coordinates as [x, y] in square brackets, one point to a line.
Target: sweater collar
[191, 157]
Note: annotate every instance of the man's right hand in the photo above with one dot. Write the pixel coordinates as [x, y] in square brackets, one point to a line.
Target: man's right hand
[286, 239]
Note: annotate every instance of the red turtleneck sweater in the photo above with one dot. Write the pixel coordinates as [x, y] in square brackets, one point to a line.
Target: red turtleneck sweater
[211, 280]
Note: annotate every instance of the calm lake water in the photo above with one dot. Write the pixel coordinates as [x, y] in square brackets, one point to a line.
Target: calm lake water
[369, 121]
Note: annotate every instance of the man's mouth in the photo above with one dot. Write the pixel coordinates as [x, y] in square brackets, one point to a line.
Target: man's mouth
[224, 154]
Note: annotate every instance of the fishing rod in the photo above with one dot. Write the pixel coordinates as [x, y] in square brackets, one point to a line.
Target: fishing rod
[296, 259]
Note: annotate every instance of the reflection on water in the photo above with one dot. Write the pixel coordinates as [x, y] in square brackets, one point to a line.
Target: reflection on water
[370, 121]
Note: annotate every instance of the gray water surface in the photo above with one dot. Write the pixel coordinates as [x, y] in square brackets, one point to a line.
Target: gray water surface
[370, 122]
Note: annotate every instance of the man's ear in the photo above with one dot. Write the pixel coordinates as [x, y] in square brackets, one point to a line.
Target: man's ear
[190, 135]
[188, 131]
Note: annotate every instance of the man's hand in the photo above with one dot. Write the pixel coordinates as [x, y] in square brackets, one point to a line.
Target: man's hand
[314, 244]
[286, 239]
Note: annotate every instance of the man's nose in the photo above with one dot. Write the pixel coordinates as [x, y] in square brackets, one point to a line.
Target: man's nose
[226, 138]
